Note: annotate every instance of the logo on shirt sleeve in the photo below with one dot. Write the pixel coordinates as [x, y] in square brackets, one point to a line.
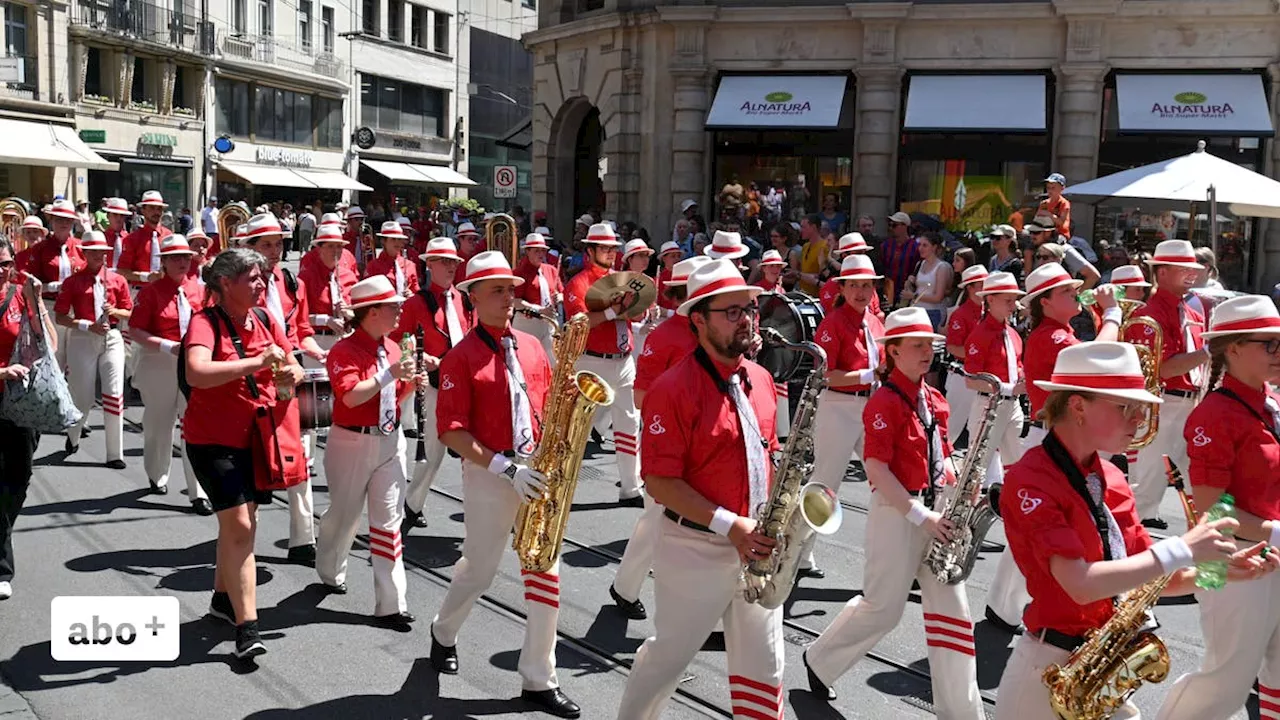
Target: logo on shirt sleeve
[826, 336]
[648, 350]
[1059, 337]
[973, 349]
[1029, 504]
[655, 426]
[446, 383]
[1200, 439]
[955, 325]
[879, 422]
[573, 298]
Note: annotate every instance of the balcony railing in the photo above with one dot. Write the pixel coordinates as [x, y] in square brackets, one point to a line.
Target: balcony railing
[271, 51]
[21, 75]
[145, 21]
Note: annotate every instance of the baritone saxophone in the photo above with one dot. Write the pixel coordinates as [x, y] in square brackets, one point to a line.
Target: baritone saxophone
[571, 405]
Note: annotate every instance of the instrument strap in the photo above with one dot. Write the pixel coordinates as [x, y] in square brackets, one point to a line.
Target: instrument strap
[13, 289]
[1231, 394]
[930, 491]
[433, 305]
[1062, 459]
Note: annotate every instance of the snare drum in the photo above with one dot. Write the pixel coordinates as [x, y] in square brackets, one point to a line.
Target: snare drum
[795, 316]
[315, 399]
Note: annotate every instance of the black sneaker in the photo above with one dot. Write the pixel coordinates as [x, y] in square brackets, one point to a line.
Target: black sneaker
[221, 608]
[248, 643]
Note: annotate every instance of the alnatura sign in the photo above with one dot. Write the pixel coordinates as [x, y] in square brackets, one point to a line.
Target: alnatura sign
[1223, 104]
[1192, 105]
[778, 101]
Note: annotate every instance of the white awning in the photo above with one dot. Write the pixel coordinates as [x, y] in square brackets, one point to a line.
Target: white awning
[975, 103]
[267, 176]
[1228, 104]
[398, 172]
[332, 180]
[45, 144]
[785, 101]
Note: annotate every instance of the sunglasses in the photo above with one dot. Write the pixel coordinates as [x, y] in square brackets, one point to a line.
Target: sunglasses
[1271, 346]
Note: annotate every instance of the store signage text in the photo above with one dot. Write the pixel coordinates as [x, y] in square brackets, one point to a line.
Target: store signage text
[93, 136]
[775, 104]
[406, 143]
[287, 157]
[1191, 105]
[158, 139]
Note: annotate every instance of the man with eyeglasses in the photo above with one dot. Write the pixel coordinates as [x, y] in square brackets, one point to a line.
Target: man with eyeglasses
[898, 257]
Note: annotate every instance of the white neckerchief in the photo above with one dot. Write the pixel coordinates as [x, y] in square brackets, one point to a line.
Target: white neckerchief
[1189, 345]
[395, 262]
[155, 251]
[451, 319]
[273, 300]
[119, 250]
[184, 312]
[753, 442]
[386, 396]
[544, 291]
[1010, 357]
[64, 263]
[521, 412]
[99, 297]
[335, 292]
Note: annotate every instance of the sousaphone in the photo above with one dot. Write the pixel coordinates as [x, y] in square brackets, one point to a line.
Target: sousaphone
[230, 217]
[502, 234]
[12, 212]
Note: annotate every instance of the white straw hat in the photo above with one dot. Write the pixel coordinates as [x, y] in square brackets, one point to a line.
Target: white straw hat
[153, 197]
[634, 247]
[973, 274]
[772, 257]
[726, 245]
[998, 283]
[907, 323]
[441, 248]
[260, 226]
[374, 290]
[175, 245]
[681, 271]
[1244, 315]
[1128, 276]
[329, 234]
[117, 206]
[852, 243]
[857, 267]
[63, 209]
[488, 265]
[670, 246]
[1047, 277]
[715, 278]
[1105, 368]
[467, 228]
[534, 240]
[94, 240]
[602, 234]
[1175, 252]
[392, 229]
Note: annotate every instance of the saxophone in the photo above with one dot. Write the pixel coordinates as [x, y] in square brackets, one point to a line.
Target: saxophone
[571, 403]
[795, 509]
[970, 512]
[1118, 657]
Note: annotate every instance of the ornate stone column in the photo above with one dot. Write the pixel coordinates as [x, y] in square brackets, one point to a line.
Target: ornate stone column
[876, 141]
[1078, 132]
[691, 101]
[124, 79]
[80, 66]
[168, 77]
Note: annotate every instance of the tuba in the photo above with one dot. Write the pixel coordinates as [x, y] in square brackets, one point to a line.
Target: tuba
[571, 404]
[12, 213]
[230, 217]
[501, 234]
[1150, 358]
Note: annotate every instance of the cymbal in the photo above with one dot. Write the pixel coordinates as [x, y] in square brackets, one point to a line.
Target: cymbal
[604, 291]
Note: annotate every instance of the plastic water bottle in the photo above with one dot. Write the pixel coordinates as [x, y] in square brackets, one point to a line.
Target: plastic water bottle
[1086, 297]
[1212, 575]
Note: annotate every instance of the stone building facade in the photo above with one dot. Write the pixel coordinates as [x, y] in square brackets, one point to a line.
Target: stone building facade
[649, 75]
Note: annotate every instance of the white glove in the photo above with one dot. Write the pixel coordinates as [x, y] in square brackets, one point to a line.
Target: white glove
[337, 325]
[529, 483]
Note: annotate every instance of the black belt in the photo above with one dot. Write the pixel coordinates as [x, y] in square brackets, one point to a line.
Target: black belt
[368, 429]
[509, 454]
[684, 521]
[1181, 393]
[606, 356]
[1060, 640]
[851, 393]
[323, 331]
[1038, 424]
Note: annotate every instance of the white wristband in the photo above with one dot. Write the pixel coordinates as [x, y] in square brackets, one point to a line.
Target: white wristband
[1006, 389]
[384, 377]
[83, 325]
[1112, 314]
[867, 377]
[167, 346]
[917, 514]
[1274, 540]
[1173, 554]
[319, 319]
[722, 521]
[499, 464]
[609, 314]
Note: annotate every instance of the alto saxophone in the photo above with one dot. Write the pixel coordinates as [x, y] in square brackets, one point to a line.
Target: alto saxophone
[1120, 656]
[970, 511]
[795, 509]
[571, 404]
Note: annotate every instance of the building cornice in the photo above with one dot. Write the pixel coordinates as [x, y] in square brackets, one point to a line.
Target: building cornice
[1198, 8]
[982, 11]
[279, 77]
[577, 28]
[879, 11]
[799, 14]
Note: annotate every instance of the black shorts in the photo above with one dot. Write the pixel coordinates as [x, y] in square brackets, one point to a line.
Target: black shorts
[226, 474]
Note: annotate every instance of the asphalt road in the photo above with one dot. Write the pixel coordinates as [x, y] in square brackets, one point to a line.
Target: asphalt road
[92, 531]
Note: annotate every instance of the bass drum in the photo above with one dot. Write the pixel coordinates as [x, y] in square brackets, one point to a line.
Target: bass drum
[795, 316]
[315, 399]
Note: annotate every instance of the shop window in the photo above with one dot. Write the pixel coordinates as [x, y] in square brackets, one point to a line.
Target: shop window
[395, 20]
[326, 23]
[231, 107]
[302, 119]
[969, 194]
[327, 116]
[370, 22]
[440, 43]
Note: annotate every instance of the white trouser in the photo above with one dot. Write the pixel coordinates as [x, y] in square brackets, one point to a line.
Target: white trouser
[621, 376]
[540, 329]
[1241, 626]
[88, 356]
[157, 381]
[365, 470]
[325, 341]
[894, 559]
[838, 438]
[1005, 438]
[698, 584]
[489, 505]
[782, 419]
[61, 330]
[1148, 478]
[1023, 694]
[960, 398]
[1008, 597]
[424, 472]
[637, 559]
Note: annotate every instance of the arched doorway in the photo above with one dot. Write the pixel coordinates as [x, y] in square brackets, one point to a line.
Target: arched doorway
[576, 164]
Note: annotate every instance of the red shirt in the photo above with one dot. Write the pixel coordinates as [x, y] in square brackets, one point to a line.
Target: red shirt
[315, 277]
[435, 327]
[671, 341]
[297, 312]
[223, 415]
[156, 309]
[962, 322]
[603, 338]
[112, 236]
[473, 387]
[312, 258]
[664, 276]
[534, 278]
[1043, 517]
[986, 350]
[355, 358]
[10, 323]
[1043, 345]
[773, 287]
[831, 290]
[385, 265]
[1232, 450]
[137, 248]
[44, 259]
[691, 430]
[1059, 208]
[1164, 307]
[197, 266]
[76, 296]
[895, 435]
[841, 335]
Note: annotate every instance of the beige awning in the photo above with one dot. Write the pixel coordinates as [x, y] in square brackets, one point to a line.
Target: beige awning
[267, 175]
[398, 172]
[332, 180]
[42, 144]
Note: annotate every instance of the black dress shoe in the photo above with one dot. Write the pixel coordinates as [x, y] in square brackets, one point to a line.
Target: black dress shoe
[1155, 524]
[414, 519]
[68, 448]
[202, 507]
[115, 464]
[635, 502]
[395, 621]
[159, 489]
[816, 573]
[999, 622]
[84, 433]
[443, 659]
[816, 686]
[335, 589]
[633, 609]
[552, 701]
[303, 554]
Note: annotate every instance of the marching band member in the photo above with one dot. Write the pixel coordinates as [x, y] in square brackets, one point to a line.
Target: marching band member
[995, 347]
[1071, 520]
[907, 461]
[312, 256]
[831, 290]
[400, 270]
[708, 434]
[33, 233]
[328, 283]
[360, 244]
[230, 356]
[364, 459]
[118, 212]
[1174, 267]
[468, 242]
[635, 256]
[1051, 298]
[668, 255]
[669, 343]
[161, 317]
[771, 267]
[727, 245]
[444, 315]
[141, 262]
[54, 260]
[608, 353]
[492, 389]
[964, 318]
[285, 297]
[542, 291]
[200, 245]
[1233, 446]
[89, 305]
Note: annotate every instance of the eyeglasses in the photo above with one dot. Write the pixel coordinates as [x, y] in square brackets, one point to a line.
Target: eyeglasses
[1271, 346]
[735, 313]
[1130, 408]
